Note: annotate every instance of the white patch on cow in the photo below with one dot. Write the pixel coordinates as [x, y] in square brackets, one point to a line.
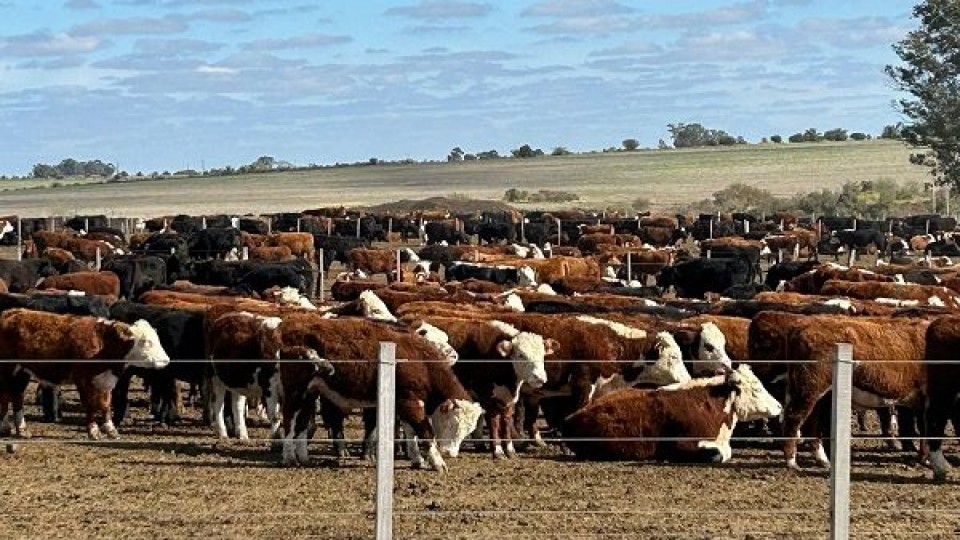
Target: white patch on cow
[527, 352]
[514, 302]
[105, 381]
[936, 301]
[606, 385]
[435, 459]
[610, 273]
[372, 307]
[110, 429]
[843, 303]
[766, 251]
[290, 454]
[232, 255]
[72, 292]
[898, 278]
[443, 243]
[941, 467]
[526, 277]
[455, 425]
[868, 400]
[622, 330]
[7, 228]
[782, 286]
[413, 257]
[753, 401]
[634, 284]
[271, 323]
[422, 267]
[897, 303]
[820, 455]
[146, 352]
[536, 253]
[668, 368]
[722, 443]
[273, 402]
[439, 339]
[519, 251]
[712, 354]
[545, 288]
[833, 265]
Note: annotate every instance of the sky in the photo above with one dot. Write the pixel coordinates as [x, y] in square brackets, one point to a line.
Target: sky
[159, 85]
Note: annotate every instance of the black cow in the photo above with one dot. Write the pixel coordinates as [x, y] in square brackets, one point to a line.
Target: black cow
[23, 275]
[937, 223]
[215, 242]
[695, 277]
[138, 273]
[246, 277]
[443, 231]
[943, 247]
[85, 223]
[862, 239]
[181, 333]
[337, 247]
[461, 271]
[744, 292]
[253, 225]
[787, 270]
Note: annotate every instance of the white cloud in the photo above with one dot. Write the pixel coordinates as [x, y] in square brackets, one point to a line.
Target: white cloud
[306, 41]
[43, 43]
[170, 24]
[441, 9]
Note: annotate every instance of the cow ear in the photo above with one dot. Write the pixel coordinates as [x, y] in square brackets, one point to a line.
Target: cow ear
[550, 346]
[505, 347]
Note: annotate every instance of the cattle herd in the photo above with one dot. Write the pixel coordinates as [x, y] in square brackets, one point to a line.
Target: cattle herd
[651, 337]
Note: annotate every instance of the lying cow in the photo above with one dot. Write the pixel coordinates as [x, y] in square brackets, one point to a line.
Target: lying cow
[635, 424]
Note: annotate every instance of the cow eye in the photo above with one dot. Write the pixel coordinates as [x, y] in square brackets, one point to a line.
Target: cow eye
[422, 332]
[708, 347]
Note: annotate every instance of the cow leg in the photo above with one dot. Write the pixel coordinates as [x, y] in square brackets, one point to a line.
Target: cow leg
[412, 448]
[120, 398]
[296, 431]
[797, 410]
[940, 405]
[218, 396]
[99, 402]
[19, 390]
[93, 429]
[50, 401]
[531, 412]
[509, 431]
[889, 427]
[333, 419]
[907, 430]
[272, 399]
[238, 404]
[413, 413]
[495, 419]
[370, 434]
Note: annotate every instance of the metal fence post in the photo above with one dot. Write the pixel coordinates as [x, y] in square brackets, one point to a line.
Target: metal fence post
[358, 226]
[629, 268]
[245, 254]
[386, 415]
[840, 443]
[19, 239]
[523, 232]
[322, 275]
[559, 233]
[711, 228]
[99, 260]
[399, 267]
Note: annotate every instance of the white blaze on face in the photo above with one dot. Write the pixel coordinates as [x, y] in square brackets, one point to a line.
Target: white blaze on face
[712, 351]
[545, 288]
[527, 351]
[668, 368]
[439, 339]
[453, 426]
[610, 273]
[536, 253]
[753, 401]
[606, 385]
[519, 251]
[514, 302]
[6, 228]
[412, 256]
[621, 330]
[146, 351]
[372, 307]
[526, 277]
[422, 267]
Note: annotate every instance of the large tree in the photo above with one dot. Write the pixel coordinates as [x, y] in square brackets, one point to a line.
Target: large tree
[931, 75]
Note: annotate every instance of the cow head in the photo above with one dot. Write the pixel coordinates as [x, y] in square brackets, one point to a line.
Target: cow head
[372, 307]
[711, 350]
[439, 339]
[527, 351]
[146, 351]
[513, 302]
[753, 402]
[453, 425]
[408, 255]
[526, 277]
[668, 366]
[536, 253]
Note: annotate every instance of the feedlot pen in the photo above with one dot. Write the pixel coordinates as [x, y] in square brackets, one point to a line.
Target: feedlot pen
[180, 482]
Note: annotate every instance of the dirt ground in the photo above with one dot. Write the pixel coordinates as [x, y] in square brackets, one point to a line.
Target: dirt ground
[179, 482]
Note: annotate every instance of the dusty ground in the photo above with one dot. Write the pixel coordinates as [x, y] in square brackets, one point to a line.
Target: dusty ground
[179, 482]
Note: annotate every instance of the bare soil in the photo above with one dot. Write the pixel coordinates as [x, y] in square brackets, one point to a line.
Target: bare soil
[180, 482]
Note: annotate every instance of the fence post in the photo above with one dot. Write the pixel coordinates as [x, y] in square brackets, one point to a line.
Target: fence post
[928, 227]
[358, 226]
[523, 232]
[389, 228]
[386, 405]
[86, 225]
[420, 232]
[709, 254]
[203, 222]
[711, 228]
[780, 255]
[245, 255]
[629, 268]
[746, 227]
[322, 275]
[298, 224]
[399, 267]
[853, 257]
[19, 239]
[269, 225]
[559, 233]
[98, 260]
[840, 443]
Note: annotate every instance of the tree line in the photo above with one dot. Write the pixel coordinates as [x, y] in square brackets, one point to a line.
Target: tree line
[72, 167]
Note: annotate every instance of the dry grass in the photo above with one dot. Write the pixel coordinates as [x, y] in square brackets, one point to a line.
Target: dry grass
[665, 177]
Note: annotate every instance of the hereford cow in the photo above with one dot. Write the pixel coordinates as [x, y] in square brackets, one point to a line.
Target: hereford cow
[425, 382]
[919, 295]
[943, 374]
[102, 284]
[705, 410]
[98, 351]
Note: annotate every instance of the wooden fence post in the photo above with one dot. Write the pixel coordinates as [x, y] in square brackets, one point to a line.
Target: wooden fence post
[386, 415]
[840, 443]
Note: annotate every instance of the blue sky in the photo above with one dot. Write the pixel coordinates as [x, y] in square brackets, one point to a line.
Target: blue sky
[171, 84]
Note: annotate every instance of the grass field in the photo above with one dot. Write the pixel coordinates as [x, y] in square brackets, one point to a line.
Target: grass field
[668, 178]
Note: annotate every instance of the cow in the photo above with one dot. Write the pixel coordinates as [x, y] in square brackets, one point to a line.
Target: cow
[888, 352]
[694, 278]
[425, 382]
[137, 273]
[943, 374]
[379, 261]
[481, 346]
[444, 231]
[522, 276]
[909, 292]
[103, 284]
[787, 270]
[812, 282]
[685, 422]
[215, 242]
[272, 253]
[21, 276]
[300, 244]
[34, 344]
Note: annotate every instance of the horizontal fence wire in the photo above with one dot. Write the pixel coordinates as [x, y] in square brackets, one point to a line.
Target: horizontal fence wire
[645, 362]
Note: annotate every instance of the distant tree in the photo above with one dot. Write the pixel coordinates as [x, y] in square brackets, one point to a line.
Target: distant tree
[560, 151]
[892, 131]
[858, 136]
[630, 144]
[373, 161]
[695, 135]
[726, 140]
[836, 134]
[931, 75]
[70, 167]
[662, 145]
[489, 154]
[262, 163]
[455, 155]
[812, 135]
[796, 138]
[526, 151]
[776, 139]
[469, 157]
[41, 170]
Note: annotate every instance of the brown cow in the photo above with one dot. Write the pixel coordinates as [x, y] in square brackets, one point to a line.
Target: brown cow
[98, 351]
[889, 353]
[425, 381]
[300, 244]
[271, 253]
[3, 286]
[379, 261]
[626, 424]
[812, 282]
[903, 294]
[943, 374]
[58, 256]
[103, 284]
